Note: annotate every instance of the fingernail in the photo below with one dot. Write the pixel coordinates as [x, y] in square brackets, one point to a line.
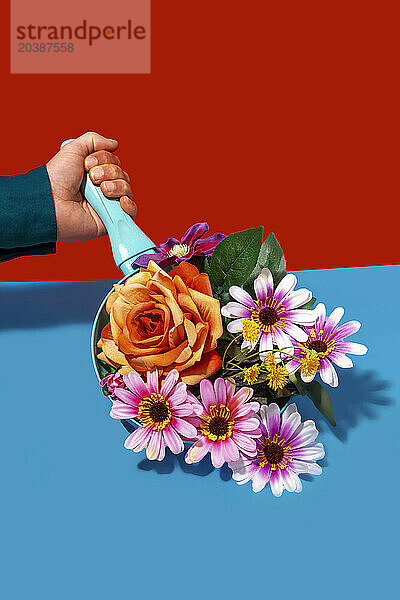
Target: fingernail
[91, 161]
[97, 173]
[112, 140]
[109, 186]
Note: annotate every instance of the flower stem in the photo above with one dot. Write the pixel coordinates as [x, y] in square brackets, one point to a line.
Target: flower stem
[227, 348]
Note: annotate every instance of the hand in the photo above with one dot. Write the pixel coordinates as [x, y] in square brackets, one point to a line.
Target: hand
[76, 219]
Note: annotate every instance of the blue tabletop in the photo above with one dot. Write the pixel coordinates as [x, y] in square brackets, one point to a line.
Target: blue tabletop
[81, 517]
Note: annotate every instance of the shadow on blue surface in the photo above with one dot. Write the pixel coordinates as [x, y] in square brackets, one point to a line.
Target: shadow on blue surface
[202, 469]
[359, 396]
[49, 304]
[171, 460]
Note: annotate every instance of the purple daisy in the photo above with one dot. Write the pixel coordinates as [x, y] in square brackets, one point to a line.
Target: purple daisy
[176, 251]
[226, 424]
[285, 449]
[325, 346]
[274, 317]
[161, 410]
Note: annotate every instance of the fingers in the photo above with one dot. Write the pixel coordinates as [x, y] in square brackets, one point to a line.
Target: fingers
[114, 182]
[129, 206]
[116, 188]
[107, 172]
[104, 168]
[92, 142]
[101, 157]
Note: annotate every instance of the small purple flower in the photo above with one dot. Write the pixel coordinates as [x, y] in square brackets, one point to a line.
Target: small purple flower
[175, 251]
[113, 381]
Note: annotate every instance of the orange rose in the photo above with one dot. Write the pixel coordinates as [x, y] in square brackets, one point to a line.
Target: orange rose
[168, 321]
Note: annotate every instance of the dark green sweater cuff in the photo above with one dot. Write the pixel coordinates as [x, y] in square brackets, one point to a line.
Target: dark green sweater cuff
[27, 216]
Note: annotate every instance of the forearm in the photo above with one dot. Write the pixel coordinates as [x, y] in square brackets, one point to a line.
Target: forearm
[27, 216]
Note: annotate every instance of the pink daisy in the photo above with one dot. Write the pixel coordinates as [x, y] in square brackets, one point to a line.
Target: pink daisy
[325, 347]
[161, 410]
[285, 449]
[274, 317]
[227, 423]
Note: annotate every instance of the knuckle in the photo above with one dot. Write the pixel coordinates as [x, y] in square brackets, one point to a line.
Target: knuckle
[108, 158]
[103, 156]
[120, 187]
[114, 171]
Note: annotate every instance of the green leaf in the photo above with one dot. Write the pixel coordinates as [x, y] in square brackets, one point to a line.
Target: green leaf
[271, 256]
[318, 395]
[102, 370]
[309, 304]
[207, 265]
[234, 258]
[224, 298]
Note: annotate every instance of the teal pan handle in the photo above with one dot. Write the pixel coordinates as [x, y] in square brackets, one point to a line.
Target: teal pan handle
[127, 240]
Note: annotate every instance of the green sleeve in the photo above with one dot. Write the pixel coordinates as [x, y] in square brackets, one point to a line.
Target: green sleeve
[27, 215]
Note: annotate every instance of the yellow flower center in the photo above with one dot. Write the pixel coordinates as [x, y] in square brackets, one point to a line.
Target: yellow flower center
[269, 361]
[273, 451]
[277, 378]
[277, 374]
[320, 343]
[154, 411]
[218, 426]
[309, 363]
[251, 330]
[251, 374]
[268, 314]
[179, 250]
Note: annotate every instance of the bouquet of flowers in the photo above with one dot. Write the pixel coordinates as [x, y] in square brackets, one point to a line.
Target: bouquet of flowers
[205, 347]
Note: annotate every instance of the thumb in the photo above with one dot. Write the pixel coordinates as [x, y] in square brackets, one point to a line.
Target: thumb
[91, 142]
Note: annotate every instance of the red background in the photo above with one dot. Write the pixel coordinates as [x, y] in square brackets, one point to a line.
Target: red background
[286, 116]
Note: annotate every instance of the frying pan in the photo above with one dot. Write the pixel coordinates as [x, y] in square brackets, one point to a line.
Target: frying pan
[127, 243]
